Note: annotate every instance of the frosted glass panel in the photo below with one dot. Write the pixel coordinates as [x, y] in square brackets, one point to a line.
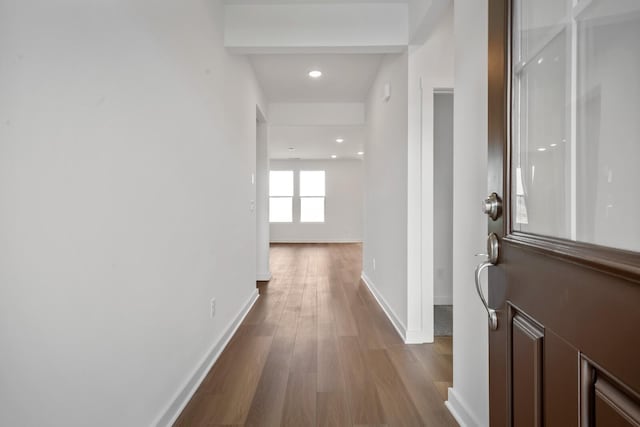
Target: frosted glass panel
[312, 209]
[312, 183]
[280, 209]
[576, 120]
[281, 183]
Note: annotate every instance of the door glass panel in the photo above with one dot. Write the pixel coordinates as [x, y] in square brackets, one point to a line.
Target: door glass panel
[576, 120]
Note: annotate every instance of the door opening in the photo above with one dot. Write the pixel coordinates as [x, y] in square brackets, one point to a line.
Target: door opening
[443, 212]
[261, 178]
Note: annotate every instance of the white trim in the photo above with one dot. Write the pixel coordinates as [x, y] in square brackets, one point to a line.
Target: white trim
[263, 277]
[443, 300]
[184, 394]
[573, 77]
[347, 240]
[395, 320]
[460, 410]
[416, 337]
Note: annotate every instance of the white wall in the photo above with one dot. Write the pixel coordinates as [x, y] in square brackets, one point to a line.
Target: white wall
[469, 396]
[424, 15]
[316, 114]
[385, 164]
[262, 28]
[431, 66]
[343, 203]
[443, 198]
[126, 149]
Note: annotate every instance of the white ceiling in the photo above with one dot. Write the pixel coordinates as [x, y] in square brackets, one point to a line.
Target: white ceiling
[315, 142]
[345, 77]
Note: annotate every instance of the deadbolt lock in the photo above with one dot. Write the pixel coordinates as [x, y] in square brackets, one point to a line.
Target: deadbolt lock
[492, 206]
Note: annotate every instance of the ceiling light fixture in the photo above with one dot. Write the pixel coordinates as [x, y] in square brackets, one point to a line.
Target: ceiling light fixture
[333, 156]
[542, 149]
[553, 145]
[315, 74]
[339, 140]
[291, 148]
[360, 153]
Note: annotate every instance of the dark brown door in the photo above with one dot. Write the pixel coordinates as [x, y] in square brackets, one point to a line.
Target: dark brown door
[564, 162]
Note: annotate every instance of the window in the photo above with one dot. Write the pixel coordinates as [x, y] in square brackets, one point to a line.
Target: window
[312, 192]
[281, 196]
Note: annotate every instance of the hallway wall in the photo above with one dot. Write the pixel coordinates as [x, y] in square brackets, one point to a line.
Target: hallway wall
[343, 203]
[385, 169]
[127, 143]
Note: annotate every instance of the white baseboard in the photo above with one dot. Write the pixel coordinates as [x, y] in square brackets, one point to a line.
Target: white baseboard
[443, 300]
[347, 240]
[460, 410]
[263, 277]
[416, 337]
[182, 397]
[393, 318]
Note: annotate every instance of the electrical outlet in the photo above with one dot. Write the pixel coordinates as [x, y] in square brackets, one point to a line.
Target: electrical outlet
[374, 264]
[213, 307]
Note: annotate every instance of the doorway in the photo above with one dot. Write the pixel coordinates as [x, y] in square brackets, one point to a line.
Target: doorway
[261, 178]
[443, 212]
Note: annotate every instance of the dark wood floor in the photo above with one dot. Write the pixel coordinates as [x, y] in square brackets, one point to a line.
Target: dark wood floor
[316, 349]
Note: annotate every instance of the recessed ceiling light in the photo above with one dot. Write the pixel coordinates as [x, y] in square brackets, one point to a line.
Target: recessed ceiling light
[333, 156]
[291, 148]
[339, 140]
[314, 74]
[553, 145]
[360, 153]
[542, 149]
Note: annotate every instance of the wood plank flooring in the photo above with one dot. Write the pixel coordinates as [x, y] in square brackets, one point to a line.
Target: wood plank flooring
[317, 350]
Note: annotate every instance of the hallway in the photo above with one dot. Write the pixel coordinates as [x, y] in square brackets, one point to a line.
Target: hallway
[316, 349]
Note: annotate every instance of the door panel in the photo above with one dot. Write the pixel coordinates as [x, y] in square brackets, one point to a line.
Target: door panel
[526, 350]
[567, 349]
[593, 311]
[561, 398]
[606, 401]
[613, 408]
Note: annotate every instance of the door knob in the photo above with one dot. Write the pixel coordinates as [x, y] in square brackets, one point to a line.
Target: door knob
[492, 206]
[493, 246]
